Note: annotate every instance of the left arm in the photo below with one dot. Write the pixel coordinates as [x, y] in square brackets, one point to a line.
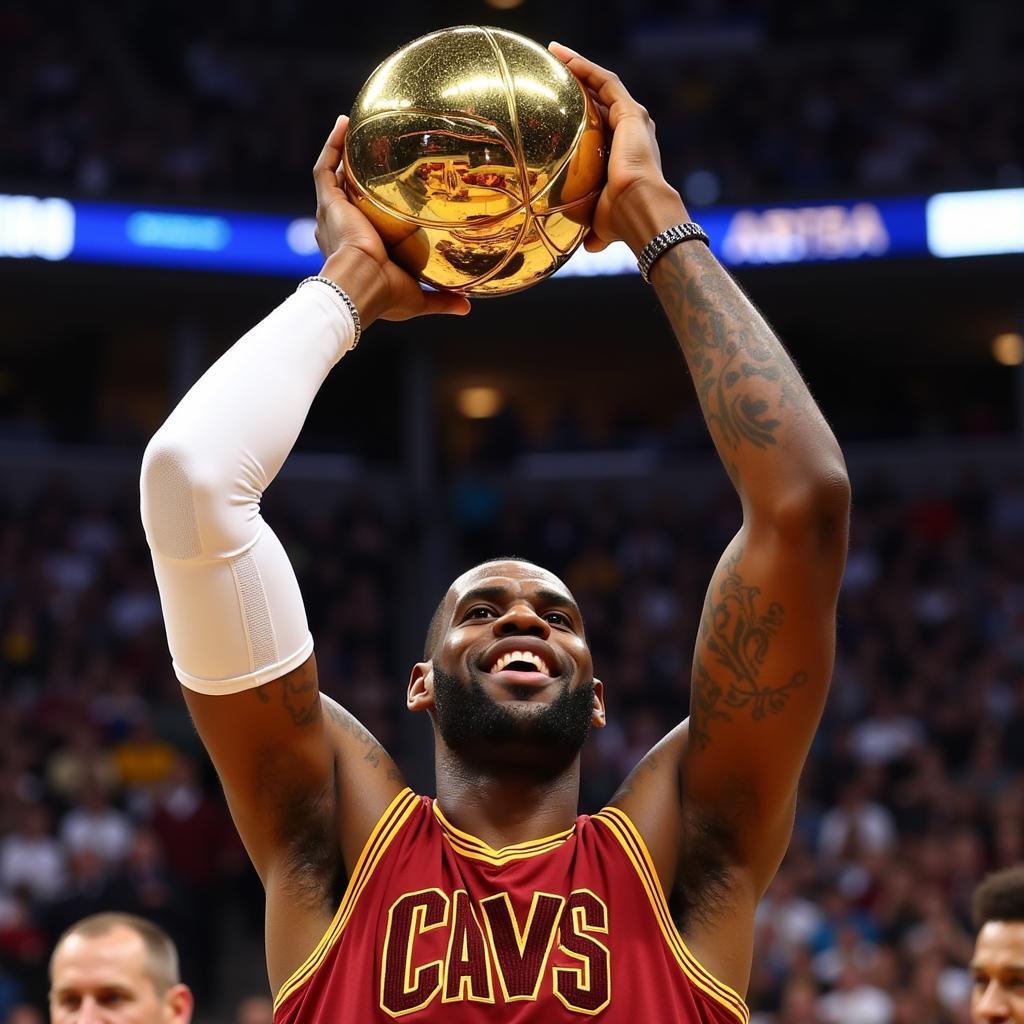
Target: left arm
[765, 647]
[719, 794]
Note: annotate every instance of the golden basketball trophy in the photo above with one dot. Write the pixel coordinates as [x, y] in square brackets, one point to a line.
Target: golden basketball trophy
[478, 157]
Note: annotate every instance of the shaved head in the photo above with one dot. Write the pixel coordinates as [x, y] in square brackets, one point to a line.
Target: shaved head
[439, 620]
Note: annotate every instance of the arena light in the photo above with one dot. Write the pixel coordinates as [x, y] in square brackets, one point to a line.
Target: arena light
[479, 403]
[30, 226]
[231, 241]
[1008, 349]
[194, 232]
[988, 223]
[301, 236]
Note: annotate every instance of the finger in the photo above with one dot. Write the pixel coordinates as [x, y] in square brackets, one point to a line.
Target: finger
[605, 84]
[327, 163]
[445, 302]
[606, 117]
[594, 243]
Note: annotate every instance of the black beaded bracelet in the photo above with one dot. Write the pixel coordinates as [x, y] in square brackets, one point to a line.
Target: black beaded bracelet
[661, 243]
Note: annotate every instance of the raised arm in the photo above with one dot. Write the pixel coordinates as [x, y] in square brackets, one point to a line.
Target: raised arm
[765, 647]
[304, 781]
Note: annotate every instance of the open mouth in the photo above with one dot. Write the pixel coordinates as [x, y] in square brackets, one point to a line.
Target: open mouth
[521, 662]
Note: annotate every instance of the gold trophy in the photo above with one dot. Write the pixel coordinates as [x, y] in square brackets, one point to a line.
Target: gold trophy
[478, 157]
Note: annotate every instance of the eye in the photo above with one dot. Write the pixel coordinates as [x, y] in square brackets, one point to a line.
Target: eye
[559, 619]
[480, 611]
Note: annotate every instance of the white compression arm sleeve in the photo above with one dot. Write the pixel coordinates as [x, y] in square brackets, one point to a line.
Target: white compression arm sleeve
[231, 603]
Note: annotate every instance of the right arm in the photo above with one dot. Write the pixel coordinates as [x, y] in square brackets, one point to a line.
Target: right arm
[305, 782]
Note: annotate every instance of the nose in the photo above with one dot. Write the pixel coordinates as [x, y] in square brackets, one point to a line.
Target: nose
[521, 620]
[991, 1007]
[89, 1013]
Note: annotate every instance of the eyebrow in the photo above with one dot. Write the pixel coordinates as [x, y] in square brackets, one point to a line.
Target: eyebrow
[549, 598]
[111, 986]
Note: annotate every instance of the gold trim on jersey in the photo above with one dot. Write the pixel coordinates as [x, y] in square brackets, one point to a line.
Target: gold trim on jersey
[469, 846]
[387, 827]
[636, 850]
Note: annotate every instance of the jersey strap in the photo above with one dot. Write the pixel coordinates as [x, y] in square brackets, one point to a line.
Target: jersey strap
[620, 825]
[384, 832]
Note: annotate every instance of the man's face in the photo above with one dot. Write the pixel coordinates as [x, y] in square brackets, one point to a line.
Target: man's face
[511, 681]
[998, 969]
[104, 980]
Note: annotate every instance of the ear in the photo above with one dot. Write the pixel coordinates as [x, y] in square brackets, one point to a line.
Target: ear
[178, 1005]
[420, 695]
[597, 717]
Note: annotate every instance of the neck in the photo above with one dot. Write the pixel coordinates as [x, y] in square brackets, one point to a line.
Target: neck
[505, 808]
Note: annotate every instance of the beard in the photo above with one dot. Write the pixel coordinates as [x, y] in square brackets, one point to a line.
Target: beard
[496, 737]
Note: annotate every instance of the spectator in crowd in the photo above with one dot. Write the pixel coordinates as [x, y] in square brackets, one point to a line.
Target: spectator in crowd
[198, 841]
[117, 968]
[887, 108]
[24, 1013]
[997, 996]
[31, 859]
[81, 760]
[93, 825]
[254, 1010]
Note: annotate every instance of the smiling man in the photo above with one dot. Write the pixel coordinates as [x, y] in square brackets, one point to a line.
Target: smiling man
[497, 900]
[519, 699]
[998, 962]
[117, 969]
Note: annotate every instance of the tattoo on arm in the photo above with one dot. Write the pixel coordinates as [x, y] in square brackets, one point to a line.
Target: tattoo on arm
[648, 765]
[374, 753]
[300, 697]
[742, 374]
[735, 636]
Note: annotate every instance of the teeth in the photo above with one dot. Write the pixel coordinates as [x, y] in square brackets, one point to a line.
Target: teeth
[506, 659]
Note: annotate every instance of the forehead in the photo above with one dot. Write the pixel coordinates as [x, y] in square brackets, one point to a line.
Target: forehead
[118, 956]
[1000, 944]
[517, 577]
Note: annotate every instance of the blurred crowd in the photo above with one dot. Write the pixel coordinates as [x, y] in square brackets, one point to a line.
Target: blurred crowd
[914, 789]
[107, 801]
[755, 99]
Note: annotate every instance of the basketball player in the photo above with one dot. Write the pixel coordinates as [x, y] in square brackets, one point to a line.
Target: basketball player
[998, 962]
[496, 901]
[117, 969]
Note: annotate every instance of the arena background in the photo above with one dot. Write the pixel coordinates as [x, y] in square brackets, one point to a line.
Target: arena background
[811, 134]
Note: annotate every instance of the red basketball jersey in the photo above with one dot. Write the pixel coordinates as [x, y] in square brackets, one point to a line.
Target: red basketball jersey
[437, 925]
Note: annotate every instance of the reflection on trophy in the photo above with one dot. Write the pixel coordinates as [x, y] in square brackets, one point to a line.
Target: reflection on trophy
[478, 157]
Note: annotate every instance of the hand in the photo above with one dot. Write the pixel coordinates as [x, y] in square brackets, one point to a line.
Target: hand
[356, 258]
[636, 202]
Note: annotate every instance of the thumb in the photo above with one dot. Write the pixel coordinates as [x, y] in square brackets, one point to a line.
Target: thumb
[450, 303]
